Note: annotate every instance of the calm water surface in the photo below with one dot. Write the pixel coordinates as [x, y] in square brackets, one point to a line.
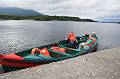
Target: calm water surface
[20, 35]
[23, 34]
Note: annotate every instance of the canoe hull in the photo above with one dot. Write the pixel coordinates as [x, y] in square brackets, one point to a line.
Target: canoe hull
[15, 65]
[9, 69]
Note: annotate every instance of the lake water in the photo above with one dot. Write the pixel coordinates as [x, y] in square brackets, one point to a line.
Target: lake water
[18, 35]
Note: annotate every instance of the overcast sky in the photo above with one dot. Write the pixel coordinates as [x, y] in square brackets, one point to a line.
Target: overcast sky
[94, 9]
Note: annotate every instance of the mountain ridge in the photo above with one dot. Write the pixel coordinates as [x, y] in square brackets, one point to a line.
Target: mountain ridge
[18, 11]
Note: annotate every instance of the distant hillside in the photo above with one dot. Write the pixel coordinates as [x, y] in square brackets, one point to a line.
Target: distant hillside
[44, 18]
[18, 11]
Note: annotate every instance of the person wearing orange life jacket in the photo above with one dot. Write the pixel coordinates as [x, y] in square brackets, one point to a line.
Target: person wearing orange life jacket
[93, 34]
[71, 36]
[58, 49]
[71, 40]
[43, 51]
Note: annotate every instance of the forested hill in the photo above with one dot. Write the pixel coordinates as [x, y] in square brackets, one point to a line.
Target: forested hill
[44, 18]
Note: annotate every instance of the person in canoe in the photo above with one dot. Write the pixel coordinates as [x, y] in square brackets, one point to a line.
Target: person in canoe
[72, 41]
[43, 51]
[91, 40]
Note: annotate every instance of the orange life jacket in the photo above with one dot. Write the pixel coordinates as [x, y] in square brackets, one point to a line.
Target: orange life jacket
[58, 49]
[43, 51]
[71, 36]
[34, 50]
[62, 50]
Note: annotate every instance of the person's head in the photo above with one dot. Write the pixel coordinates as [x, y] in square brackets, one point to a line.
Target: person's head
[71, 34]
[86, 34]
[93, 34]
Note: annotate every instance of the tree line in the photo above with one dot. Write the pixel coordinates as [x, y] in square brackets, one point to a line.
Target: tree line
[44, 18]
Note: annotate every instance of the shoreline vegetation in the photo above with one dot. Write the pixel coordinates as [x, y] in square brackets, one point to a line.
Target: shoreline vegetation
[44, 18]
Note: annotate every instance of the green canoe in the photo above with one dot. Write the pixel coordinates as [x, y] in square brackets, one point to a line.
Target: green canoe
[25, 59]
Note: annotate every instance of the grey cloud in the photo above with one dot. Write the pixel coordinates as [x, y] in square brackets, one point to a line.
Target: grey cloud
[95, 9]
